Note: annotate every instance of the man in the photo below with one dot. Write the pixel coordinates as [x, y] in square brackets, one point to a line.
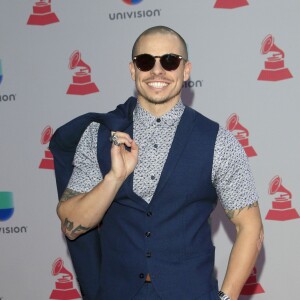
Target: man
[153, 189]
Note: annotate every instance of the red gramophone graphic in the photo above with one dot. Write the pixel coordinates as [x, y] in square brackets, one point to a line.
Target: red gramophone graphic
[42, 14]
[47, 162]
[274, 65]
[64, 289]
[251, 286]
[241, 133]
[230, 3]
[82, 84]
[282, 205]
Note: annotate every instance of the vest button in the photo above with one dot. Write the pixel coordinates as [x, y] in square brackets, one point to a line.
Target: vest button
[149, 214]
[142, 275]
[148, 254]
[147, 234]
[158, 120]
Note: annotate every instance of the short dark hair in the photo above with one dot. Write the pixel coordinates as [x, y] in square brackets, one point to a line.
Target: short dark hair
[163, 30]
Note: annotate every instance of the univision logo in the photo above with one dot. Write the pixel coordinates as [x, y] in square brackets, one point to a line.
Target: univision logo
[6, 212]
[5, 97]
[1, 74]
[132, 2]
[134, 14]
[192, 84]
[6, 206]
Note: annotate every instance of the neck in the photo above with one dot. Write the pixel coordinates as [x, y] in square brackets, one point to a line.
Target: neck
[158, 109]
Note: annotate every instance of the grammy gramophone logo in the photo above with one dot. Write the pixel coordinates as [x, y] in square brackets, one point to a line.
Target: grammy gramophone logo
[47, 161]
[251, 286]
[241, 134]
[42, 14]
[64, 289]
[82, 83]
[274, 64]
[282, 204]
[230, 3]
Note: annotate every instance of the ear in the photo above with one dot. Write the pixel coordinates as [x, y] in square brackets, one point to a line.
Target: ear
[132, 70]
[187, 70]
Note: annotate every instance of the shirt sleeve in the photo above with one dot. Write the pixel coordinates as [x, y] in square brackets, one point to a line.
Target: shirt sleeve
[86, 173]
[231, 174]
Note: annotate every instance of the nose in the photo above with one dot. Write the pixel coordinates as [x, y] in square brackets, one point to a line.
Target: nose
[157, 68]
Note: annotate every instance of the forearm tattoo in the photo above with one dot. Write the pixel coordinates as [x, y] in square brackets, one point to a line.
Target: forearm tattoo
[68, 226]
[68, 193]
[232, 213]
[69, 230]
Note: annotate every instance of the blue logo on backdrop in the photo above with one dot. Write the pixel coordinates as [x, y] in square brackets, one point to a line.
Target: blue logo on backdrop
[6, 205]
[132, 2]
[1, 75]
[5, 97]
[6, 212]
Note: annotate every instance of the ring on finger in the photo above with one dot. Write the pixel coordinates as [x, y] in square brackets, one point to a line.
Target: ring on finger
[114, 139]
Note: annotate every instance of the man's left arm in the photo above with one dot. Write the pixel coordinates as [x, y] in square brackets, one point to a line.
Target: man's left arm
[245, 249]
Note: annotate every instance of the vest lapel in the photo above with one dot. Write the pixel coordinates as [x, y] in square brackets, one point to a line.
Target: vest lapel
[128, 184]
[181, 137]
[125, 193]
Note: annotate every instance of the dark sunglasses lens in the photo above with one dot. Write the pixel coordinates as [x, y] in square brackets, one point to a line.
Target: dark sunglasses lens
[170, 62]
[145, 62]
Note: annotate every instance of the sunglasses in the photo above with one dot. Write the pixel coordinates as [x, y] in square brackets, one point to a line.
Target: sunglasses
[146, 62]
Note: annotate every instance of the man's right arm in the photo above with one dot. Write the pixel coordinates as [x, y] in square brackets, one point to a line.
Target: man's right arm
[79, 212]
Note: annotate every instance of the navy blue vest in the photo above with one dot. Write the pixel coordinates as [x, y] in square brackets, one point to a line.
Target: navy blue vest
[170, 238]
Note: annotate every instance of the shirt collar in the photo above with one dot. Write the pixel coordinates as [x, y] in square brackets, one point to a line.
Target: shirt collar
[170, 118]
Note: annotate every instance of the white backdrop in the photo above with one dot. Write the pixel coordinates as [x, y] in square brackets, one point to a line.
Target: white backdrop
[225, 48]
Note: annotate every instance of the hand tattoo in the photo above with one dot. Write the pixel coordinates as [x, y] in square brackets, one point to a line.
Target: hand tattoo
[70, 231]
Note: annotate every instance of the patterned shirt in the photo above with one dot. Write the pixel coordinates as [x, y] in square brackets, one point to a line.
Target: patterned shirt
[231, 174]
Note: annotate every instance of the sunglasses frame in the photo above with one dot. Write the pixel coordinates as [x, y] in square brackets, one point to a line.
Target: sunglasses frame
[179, 57]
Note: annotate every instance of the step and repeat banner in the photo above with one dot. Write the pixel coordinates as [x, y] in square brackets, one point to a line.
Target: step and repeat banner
[60, 59]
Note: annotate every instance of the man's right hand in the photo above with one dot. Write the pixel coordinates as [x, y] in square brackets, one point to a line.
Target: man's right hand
[123, 161]
[81, 212]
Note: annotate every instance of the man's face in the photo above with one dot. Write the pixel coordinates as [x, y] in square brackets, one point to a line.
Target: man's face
[159, 86]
